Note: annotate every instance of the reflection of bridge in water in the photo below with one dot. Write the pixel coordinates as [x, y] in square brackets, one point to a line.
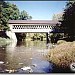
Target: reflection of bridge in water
[32, 26]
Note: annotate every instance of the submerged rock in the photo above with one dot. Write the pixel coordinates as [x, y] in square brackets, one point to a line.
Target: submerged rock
[10, 71]
[1, 62]
[20, 63]
[27, 69]
[31, 58]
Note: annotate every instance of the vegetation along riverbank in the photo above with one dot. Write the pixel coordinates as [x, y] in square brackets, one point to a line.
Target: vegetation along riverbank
[63, 54]
[4, 41]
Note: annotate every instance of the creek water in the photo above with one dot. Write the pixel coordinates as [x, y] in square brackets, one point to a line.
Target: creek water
[25, 57]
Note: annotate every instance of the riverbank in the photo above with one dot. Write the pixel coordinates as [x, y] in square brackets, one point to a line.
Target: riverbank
[4, 41]
[62, 55]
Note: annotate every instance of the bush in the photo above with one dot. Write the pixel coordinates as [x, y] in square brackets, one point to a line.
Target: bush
[63, 54]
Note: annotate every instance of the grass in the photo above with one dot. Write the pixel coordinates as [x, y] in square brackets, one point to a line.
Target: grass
[63, 54]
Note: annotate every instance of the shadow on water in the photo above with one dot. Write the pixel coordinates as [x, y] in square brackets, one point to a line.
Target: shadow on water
[25, 57]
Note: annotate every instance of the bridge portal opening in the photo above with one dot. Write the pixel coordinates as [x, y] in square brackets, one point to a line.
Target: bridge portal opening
[32, 36]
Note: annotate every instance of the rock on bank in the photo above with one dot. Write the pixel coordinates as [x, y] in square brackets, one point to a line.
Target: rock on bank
[11, 35]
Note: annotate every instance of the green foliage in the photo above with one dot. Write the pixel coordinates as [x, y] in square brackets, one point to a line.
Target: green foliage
[24, 15]
[3, 19]
[7, 11]
[38, 35]
[4, 41]
[10, 11]
[55, 37]
[68, 23]
[56, 29]
[57, 16]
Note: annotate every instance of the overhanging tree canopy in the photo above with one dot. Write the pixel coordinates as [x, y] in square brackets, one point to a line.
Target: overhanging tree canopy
[10, 11]
[68, 22]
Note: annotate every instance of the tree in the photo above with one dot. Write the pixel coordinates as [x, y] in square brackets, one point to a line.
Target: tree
[14, 12]
[7, 11]
[3, 20]
[57, 16]
[57, 33]
[10, 11]
[68, 21]
[24, 15]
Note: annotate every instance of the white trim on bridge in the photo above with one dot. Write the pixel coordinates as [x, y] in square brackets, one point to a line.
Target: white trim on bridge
[31, 30]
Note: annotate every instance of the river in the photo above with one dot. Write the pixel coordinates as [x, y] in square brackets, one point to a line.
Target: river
[25, 57]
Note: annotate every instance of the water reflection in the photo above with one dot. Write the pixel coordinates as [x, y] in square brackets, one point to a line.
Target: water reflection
[17, 55]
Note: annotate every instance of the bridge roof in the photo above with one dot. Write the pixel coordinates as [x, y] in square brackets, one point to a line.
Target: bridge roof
[53, 22]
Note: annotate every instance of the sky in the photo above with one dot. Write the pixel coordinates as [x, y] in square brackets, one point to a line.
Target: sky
[41, 10]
